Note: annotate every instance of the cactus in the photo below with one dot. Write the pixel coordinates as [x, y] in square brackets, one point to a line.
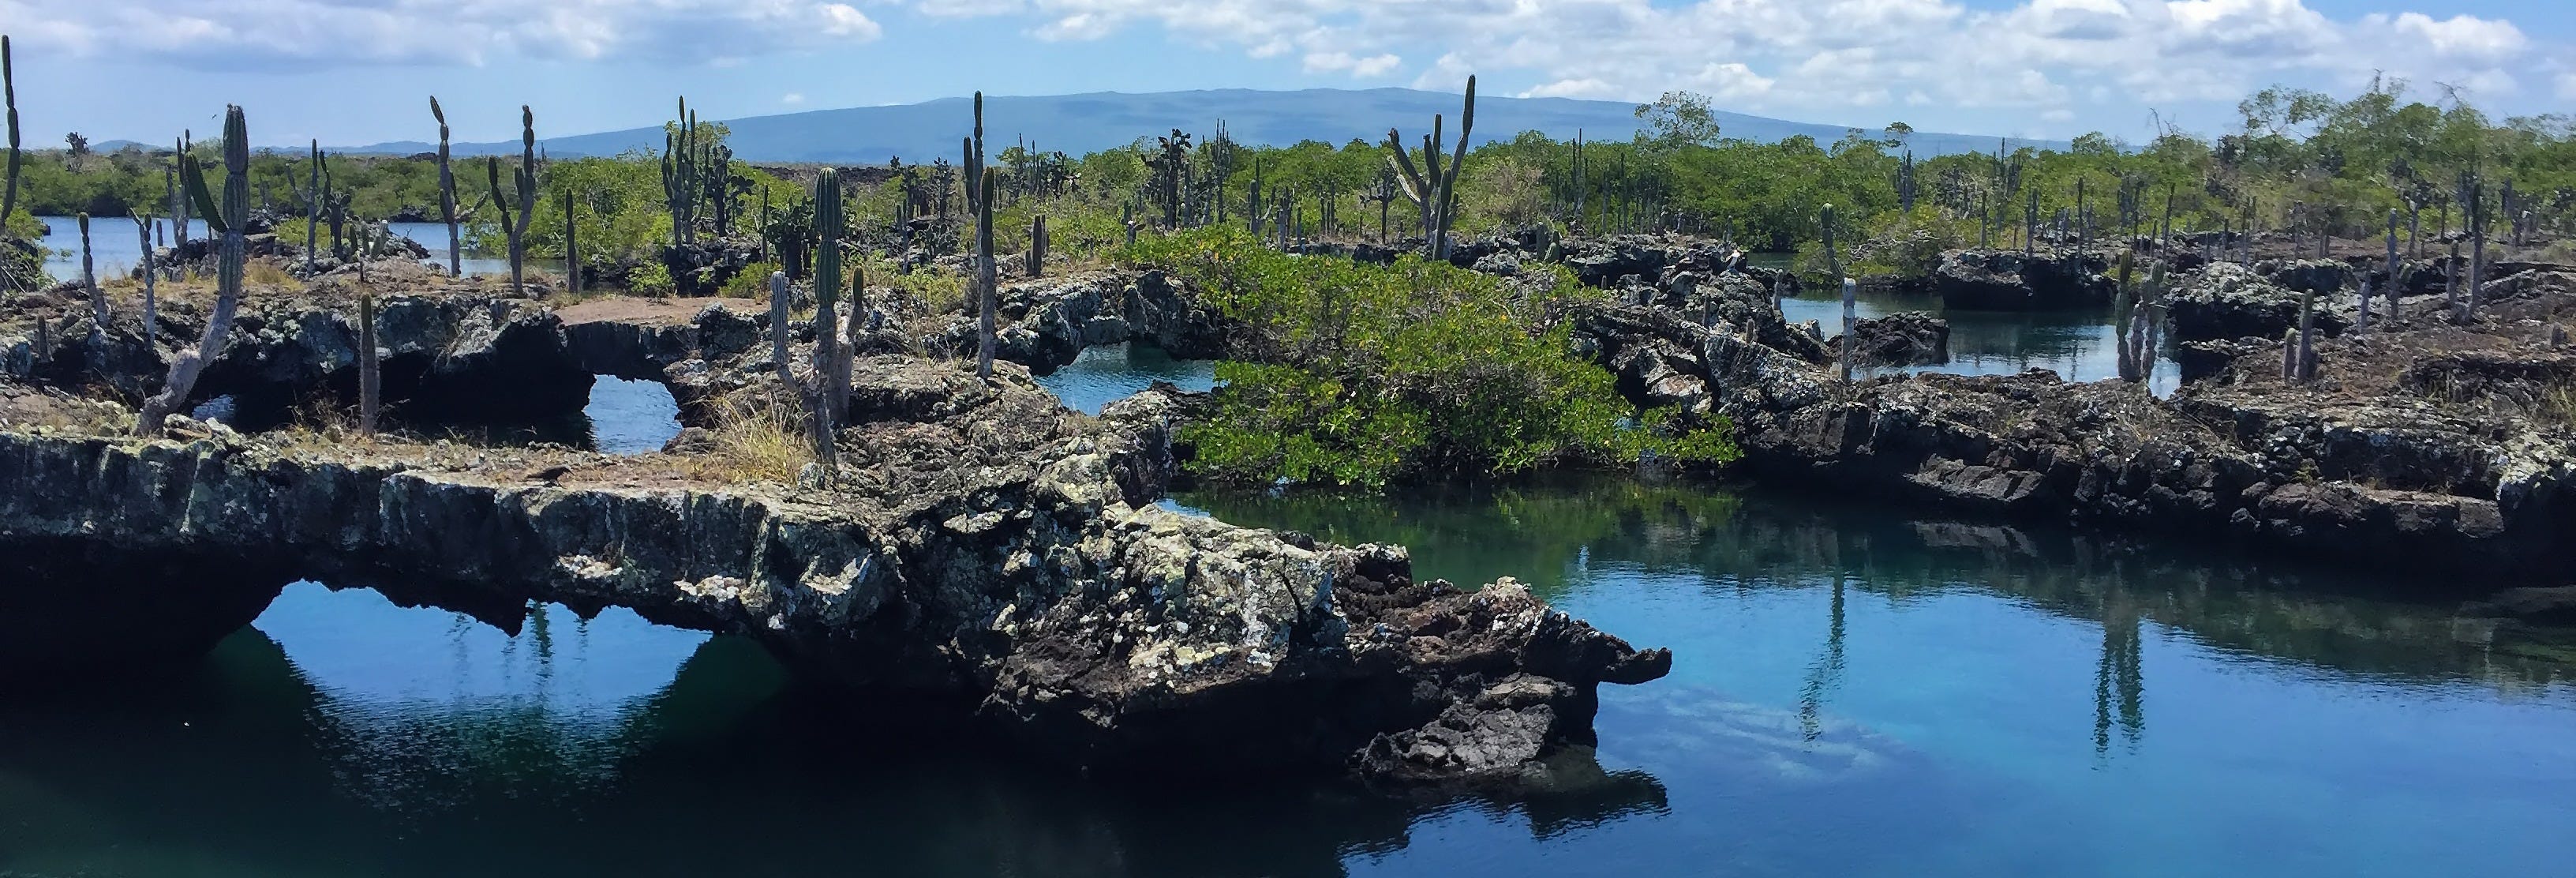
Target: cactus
[680, 176]
[151, 304]
[2030, 225]
[2394, 267]
[572, 251]
[1435, 194]
[515, 225]
[985, 282]
[226, 220]
[89, 282]
[371, 382]
[2473, 204]
[1037, 247]
[2304, 358]
[2139, 321]
[447, 195]
[9, 85]
[980, 181]
[312, 209]
[831, 355]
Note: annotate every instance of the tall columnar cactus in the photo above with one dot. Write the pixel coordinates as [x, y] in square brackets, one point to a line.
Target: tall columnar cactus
[515, 225]
[986, 284]
[1905, 182]
[371, 380]
[681, 183]
[2473, 205]
[9, 87]
[2030, 224]
[89, 282]
[447, 196]
[313, 198]
[1036, 260]
[831, 353]
[151, 303]
[572, 249]
[2139, 321]
[183, 204]
[2395, 268]
[1435, 193]
[227, 220]
[980, 181]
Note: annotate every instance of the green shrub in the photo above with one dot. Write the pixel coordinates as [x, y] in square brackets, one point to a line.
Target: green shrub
[750, 283]
[651, 279]
[1362, 375]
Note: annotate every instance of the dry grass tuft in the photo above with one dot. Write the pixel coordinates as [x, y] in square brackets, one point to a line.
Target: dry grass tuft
[759, 437]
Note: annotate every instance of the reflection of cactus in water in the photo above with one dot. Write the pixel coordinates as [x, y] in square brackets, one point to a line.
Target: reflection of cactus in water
[2119, 681]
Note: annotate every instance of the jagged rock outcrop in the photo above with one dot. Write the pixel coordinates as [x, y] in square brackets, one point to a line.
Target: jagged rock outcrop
[1905, 338]
[2336, 473]
[1048, 322]
[980, 550]
[2002, 280]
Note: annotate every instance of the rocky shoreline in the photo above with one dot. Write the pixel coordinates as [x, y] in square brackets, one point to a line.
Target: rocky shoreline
[983, 550]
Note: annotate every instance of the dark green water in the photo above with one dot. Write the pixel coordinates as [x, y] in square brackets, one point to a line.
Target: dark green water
[1855, 692]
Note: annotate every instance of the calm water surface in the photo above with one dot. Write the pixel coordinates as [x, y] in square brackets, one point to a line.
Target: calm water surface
[2078, 345]
[115, 250]
[1107, 374]
[1855, 692]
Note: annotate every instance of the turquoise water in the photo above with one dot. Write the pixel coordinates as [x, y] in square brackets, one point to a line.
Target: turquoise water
[1106, 374]
[1854, 693]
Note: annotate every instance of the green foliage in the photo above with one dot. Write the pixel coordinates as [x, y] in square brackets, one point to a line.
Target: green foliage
[1361, 375]
[651, 279]
[750, 283]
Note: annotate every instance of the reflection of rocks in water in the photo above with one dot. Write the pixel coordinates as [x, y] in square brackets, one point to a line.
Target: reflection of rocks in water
[423, 709]
[1826, 675]
[72, 610]
[1592, 528]
[1765, 745]
[1982, 537]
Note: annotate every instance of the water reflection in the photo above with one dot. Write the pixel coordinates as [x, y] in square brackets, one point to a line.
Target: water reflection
[344, 735]
[2079, 345]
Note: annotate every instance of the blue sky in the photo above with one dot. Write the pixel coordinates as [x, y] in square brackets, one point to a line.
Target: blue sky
[358, 71]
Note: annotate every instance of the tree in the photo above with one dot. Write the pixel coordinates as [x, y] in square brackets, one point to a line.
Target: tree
[79, 145]
[1680, 118]
[1898, 133]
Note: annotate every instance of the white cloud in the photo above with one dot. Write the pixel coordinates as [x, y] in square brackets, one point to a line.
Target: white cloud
[1816, 56]
[257, 34]
[1360, 68]
[792, 98]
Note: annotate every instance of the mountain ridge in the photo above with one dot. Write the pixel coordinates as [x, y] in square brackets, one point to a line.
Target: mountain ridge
[1091, 121]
